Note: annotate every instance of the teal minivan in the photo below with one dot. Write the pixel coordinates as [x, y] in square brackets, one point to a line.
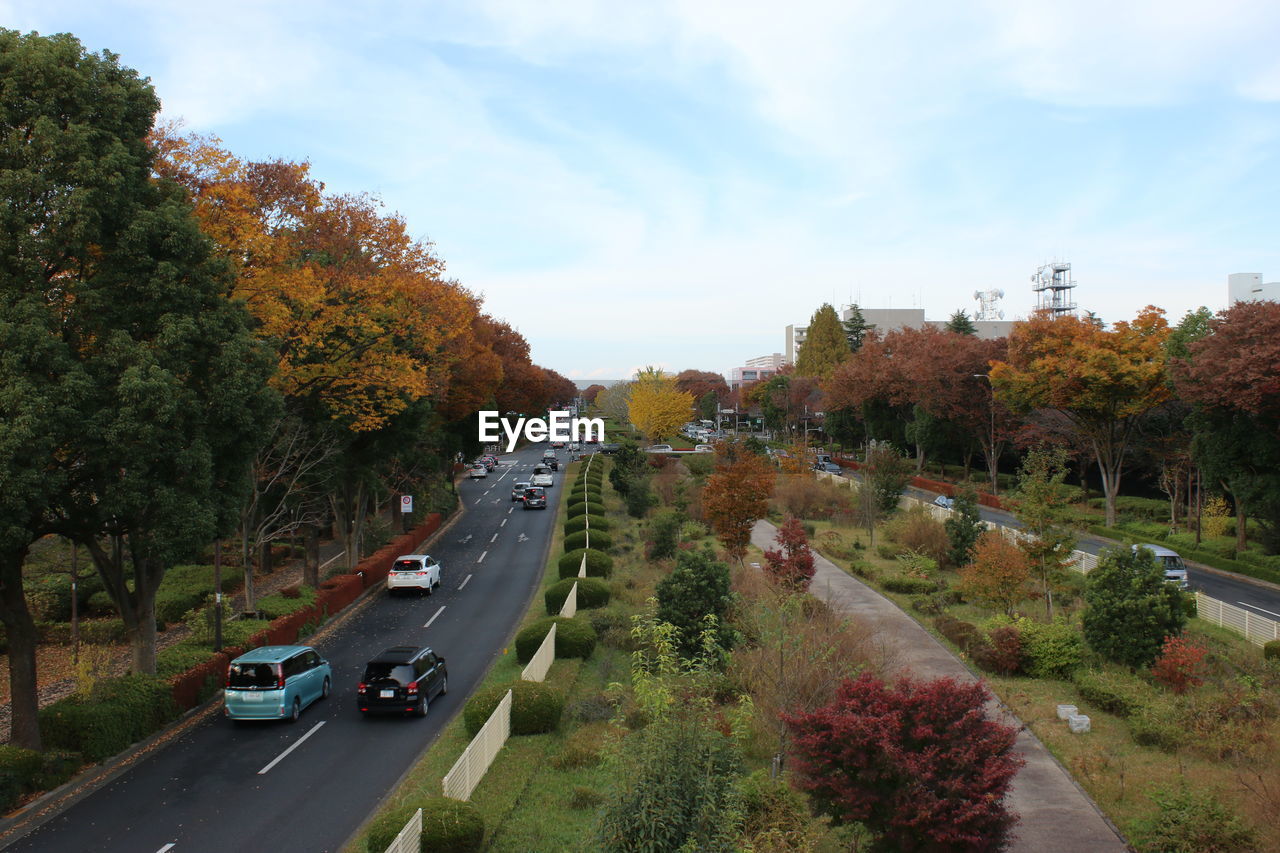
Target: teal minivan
[275, 682]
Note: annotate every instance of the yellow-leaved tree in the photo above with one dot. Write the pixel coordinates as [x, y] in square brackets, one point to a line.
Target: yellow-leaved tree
[657, 407]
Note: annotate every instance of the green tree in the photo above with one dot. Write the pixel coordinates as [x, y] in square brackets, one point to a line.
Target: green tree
[887, 472]
[825, 345]
[1130, 608]
[963, 527]
[961, 324]
[166, 393]
[1040, 503]
[697, 587]
[855, 328]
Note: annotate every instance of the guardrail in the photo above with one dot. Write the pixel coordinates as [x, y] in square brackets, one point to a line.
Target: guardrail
[410, 838]
[470, 767]
[536, 670]
[1256, 629]
[570, 606]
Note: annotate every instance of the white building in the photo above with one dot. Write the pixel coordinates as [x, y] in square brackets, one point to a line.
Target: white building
[1249, 287]
[774, 360]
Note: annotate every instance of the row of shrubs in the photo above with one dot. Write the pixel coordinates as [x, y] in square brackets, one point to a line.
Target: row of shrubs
[1017, 646]
[116, 713]
[24, 772]
[451, 826]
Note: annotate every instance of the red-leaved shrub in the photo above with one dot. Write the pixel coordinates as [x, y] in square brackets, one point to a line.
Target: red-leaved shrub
[1180, 665]
[792, 566]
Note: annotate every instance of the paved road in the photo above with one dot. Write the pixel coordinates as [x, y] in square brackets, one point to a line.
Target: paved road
[206, 791]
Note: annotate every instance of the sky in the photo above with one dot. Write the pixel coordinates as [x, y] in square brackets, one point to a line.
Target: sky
[672, 183]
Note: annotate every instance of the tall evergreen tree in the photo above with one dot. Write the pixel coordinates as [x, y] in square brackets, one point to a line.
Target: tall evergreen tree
[855, 328]
[961, 324]
[825, 345]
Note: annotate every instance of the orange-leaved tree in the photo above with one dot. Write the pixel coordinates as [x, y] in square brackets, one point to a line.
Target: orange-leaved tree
[737, 496]
[998, 575]
[1102, 381]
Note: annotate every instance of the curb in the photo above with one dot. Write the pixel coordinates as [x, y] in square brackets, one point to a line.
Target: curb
[17, 825]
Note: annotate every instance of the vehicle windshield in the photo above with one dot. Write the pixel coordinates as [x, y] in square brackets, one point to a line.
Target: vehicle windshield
[407, 566]
[534, 493]
[1173, 563]
[400, 672]
[252, 675]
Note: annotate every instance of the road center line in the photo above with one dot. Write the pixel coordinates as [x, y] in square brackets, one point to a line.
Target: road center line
[297, 744]
[479, 499]
[438, 612]
[1256, 607]
[494, 539]
[464, 583]
[482, 556]
[504, 523]
[167, 847]
[513, 509]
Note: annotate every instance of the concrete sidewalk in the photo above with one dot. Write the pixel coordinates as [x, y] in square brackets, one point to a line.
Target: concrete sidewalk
[1056, 814]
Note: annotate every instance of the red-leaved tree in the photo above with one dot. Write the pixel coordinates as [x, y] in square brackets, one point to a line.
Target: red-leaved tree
[918, 763]
[792, 565]
[737, 496]
[1180, 665]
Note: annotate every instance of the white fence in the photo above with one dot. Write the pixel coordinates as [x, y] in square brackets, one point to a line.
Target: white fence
[542, 658]
[1255, 628]
[570, 606]
[410, 838]
[470, 767]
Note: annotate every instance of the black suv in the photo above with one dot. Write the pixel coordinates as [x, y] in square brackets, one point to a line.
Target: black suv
[402, 680]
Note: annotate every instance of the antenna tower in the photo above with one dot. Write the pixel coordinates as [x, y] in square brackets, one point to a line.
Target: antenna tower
[1053, 287]
[989, 304]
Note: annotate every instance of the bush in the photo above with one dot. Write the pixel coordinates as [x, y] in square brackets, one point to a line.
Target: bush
[600, 540]
[448, 825]
[864, 570]
[56, 768]
[584, 797]
[535, 707]
[664, 534]
[119, 712]
[917, 531]
[697, 587]
[1114, 692]
[181, 657]
[575, 638]
[1157, 726]
[910, 586]
[1180, 665]
[599, 564]
[1271, 650]
[639, 499]
[573, 525]
[592, 593]
[577, 508]
[962, 634]
[1002, 653]
[1189, 820]
[1049, 650]
[1130, 608]
[275, 606]
[19, 771]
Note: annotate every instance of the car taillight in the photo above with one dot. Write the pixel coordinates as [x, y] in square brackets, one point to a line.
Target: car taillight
[411, 687]
[362, 688]
[279, 678]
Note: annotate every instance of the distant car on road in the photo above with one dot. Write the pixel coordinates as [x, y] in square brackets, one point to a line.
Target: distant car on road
[489, 462]
[1175, 571]
[478, 472]
[419, 572]
[658, 448]
[544, 480]
[275, 682]
[402, 680]
[517, 491]
[831, 468]
[548, 454]
[944, 501]
[535, 497]
[553, 463]
[704, 448]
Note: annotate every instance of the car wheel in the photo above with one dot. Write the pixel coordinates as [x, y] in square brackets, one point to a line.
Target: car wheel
[296, 711]
[325, 689]
[444, 685]
[429, 588]
[421, 710]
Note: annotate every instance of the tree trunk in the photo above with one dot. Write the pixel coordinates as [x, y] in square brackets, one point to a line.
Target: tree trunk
[142, 636]
[246, 556]
[24, 728]
[1242, 527]
[311, 558]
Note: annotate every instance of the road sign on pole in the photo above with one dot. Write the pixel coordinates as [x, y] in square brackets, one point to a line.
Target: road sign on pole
[406, 503]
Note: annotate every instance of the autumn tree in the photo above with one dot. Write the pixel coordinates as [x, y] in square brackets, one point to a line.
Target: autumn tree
[591, 392]
[998, 576]
[825, 345]
[918, 763]
[1103, 381]
[737, 496]
[699, 383]
[656, 406]
[1228, 375]
[791, 564]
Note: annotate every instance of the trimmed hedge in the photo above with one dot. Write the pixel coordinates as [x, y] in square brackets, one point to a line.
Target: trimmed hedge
[120, 712]
[965, 635]
[275, 606]
[599, 564]
[1271, 650]
[577, 508]
[18, 771]
[94, 632]
[600, 540]
[575, 638]
[592, 593]
[535, 707]
[573, 525]
[1113, 692]
[449, 826]
[909, 586]
[1050, 650]
[181, 657]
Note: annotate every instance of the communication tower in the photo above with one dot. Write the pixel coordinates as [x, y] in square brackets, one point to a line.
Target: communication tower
[1053, 287]
[989, 304]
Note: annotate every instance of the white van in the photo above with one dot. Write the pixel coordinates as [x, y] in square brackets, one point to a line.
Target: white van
[1175, 571]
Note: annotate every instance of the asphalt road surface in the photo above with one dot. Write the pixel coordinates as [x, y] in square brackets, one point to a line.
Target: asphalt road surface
[207, 791]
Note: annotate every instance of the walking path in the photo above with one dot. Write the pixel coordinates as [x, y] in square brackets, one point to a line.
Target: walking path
[1056, 814]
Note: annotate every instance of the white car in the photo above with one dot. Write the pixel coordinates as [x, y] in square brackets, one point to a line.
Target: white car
[1175, 571]
[704, 448]
[478, 472]
[419, 572]
[658, 448]
[944, 501]
[543, 480]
